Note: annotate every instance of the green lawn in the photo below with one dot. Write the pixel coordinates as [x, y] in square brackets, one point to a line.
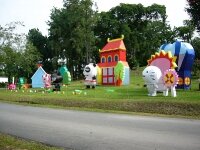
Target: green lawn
[132, 98]
[8, 142]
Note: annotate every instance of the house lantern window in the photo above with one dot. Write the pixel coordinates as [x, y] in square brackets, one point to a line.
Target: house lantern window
[103, 59]
[116, 58]
[109, 59]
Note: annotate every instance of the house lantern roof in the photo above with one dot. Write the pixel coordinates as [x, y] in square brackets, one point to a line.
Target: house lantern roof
[114, 44]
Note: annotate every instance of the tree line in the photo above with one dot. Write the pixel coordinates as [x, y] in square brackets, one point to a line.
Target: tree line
[77, 32]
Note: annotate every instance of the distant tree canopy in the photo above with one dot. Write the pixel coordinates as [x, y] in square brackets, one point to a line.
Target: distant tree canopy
[196, 67]
[144, 28]
[77, 31]
[43, 47]
[194, 10]
[71, 32]
[186, 31]
[17, 56]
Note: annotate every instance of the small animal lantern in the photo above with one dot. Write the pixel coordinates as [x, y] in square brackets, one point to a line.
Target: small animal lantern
[56, 80]
[12, 86]
[47, 80]
[90, 73]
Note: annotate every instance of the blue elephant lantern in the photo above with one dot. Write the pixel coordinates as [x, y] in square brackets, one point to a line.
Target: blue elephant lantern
[184, 53]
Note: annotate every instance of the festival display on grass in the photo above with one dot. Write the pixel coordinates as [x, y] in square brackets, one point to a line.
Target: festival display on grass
[12, 86]
[64, 71]
[184, 53]
[90, 73]
[113, 68]
[56, 80]
[19, 83]
[22, 82]
[47, 80]
[37, 78]
[41, 79]
[160, 74]
[151, 76]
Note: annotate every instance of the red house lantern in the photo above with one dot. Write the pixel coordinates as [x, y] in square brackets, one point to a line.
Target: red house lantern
[110, 55]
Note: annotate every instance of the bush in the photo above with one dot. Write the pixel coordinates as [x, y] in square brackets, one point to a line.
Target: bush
[3, 85]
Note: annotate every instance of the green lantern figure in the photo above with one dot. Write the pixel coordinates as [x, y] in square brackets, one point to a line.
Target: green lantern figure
[64, 71]
[21, 82]
[119, 71]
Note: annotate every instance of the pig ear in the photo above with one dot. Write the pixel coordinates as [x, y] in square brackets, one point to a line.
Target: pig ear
[94, 65]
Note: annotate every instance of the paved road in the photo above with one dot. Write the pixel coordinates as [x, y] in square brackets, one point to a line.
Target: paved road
[99, 131]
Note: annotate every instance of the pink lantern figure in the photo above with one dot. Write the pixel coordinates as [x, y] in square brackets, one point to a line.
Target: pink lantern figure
[12, 86]
[47, 80]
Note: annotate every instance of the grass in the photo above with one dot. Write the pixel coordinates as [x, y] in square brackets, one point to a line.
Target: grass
[8, 142]
[131, 98]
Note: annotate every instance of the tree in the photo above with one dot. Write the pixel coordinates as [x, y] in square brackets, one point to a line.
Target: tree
[41, 43]
[10, 61]
[196, 67]
[17, 57]
[11, 47]
[185, 32]
[144, 28]
[9, 37]
[30, 56]
[71, 32]
[193, 10]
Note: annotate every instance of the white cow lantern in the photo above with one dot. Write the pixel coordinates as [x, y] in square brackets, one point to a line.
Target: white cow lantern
[90, 73]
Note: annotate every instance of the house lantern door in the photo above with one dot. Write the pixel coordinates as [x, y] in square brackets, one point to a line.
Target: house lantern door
[108, 76]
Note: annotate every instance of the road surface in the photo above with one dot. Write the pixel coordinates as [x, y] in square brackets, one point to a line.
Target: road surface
[79, 130]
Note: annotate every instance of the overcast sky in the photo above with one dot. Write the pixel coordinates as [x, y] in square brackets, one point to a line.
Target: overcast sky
[35, 13]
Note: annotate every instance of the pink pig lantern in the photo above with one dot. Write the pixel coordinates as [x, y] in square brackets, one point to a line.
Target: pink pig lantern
[12, 86]
[47, 80]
